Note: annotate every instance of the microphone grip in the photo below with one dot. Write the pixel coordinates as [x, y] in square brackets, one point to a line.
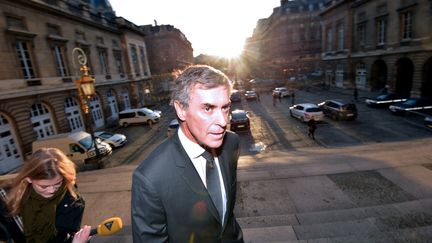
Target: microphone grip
[93, 232]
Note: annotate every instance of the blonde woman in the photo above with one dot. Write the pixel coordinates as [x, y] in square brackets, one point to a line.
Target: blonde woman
[42, 203]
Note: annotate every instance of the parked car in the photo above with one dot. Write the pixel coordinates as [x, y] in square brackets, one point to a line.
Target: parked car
[251, 95]
[239, 120]
[77, 146]
[384, 100]
[235, 96]
[306, 111]
[339, 110]
[428, 121]
[281, 92]
[115, 140]
[411, 104]
[172, 127]
[140, 115]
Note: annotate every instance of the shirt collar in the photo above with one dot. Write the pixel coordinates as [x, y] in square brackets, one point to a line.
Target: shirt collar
[192, 149]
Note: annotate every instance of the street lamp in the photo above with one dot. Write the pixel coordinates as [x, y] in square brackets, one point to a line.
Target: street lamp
[86, 90]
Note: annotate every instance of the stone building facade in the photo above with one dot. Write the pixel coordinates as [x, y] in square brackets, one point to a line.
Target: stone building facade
[169, 48]
[288, 43]
[370, 44]
[38, 93]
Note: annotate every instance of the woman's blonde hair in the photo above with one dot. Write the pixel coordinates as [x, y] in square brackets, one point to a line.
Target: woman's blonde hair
[44, 164]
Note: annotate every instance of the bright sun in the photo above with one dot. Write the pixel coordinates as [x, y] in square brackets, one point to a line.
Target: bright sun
[227, 47]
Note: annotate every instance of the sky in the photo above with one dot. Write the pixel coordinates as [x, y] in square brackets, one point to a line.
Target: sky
[217, 27]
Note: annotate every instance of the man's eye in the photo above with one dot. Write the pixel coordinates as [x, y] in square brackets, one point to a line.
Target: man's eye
[207, 108]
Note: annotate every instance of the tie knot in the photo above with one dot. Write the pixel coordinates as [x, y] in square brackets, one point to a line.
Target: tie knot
[209, 158]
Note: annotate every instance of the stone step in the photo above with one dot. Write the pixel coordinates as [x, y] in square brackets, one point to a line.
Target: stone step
[288, 234]
[410, 209]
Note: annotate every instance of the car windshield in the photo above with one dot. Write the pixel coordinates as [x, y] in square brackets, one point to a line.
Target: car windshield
[383, 97]
[411, 102]
[86, 142]
[147, 110]
[239, 115]
[313, 109]
[106, 135]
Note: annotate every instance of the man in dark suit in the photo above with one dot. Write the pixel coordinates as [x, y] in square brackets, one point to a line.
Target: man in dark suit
[185, 190]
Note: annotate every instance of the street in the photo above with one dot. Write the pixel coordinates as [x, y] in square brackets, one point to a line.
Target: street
[358, 180]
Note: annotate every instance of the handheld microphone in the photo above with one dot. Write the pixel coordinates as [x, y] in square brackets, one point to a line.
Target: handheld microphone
[108, 227]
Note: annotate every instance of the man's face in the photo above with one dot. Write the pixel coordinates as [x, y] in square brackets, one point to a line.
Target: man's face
[206, 118]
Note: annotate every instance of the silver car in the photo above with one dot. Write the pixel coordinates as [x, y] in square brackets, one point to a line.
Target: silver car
[115, 140]
[306, 111]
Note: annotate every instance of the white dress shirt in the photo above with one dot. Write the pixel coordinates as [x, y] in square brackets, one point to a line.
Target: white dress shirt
[194, 151]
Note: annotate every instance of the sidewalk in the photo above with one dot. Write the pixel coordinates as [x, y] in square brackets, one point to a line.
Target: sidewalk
[107, 191]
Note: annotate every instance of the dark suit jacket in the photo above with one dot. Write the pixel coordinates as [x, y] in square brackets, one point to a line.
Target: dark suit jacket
[170, 202]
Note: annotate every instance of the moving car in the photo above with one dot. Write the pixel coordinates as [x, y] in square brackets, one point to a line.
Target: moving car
[385, 100]
[235, 96]
[115, 140]
[281, 92]
[172, 127]
[140, 115]
[251, 95]
[339, 110]
[306, 111]
[239, 120]
[428, 121]
[411, 105]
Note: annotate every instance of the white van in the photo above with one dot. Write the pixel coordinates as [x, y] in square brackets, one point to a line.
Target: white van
[77, 146]
[139, 115]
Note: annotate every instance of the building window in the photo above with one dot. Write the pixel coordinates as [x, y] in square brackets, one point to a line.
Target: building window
[60, 60]
[100, 40]
[24, 57]
[361, 34]
[53, 30]
[135, 63]
[103, 61]
[80, 36]
[118, 62]
[143, 60]
[329, 39]
[381, 31]
[15, 22]
[407, 26]
[41, 120]
[341, 37]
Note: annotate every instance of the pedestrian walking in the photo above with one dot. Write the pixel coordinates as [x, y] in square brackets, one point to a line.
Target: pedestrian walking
[385, 89]
[280, 98]
[293, 97]
[312, 127]
[274, 99]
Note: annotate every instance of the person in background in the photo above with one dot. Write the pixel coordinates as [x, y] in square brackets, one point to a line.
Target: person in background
[293, 94]
[185, 190]
[42, 204]
[312, 127]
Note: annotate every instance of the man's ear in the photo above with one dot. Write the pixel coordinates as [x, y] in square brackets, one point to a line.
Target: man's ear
[181, 112]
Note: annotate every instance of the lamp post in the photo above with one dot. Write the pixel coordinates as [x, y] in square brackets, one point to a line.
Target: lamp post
[86, 90]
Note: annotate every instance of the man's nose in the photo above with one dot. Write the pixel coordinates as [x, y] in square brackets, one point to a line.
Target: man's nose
[221, 118]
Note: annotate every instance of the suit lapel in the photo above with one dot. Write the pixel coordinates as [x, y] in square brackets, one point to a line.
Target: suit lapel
[192, 178]
[223, 163]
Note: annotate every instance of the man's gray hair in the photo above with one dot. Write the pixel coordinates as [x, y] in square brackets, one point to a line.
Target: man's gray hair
[206, 76]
